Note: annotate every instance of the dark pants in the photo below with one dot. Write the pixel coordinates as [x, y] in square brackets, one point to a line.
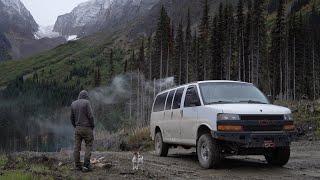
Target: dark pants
[86, 134]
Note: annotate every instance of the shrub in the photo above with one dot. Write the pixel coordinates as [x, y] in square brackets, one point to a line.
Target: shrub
[140, 139]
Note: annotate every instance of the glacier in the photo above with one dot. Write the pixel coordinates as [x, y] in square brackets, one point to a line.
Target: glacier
[46, 31]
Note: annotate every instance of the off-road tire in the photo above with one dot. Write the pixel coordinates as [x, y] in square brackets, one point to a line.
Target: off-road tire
[279, 156]
[160, 147]
[210, 158]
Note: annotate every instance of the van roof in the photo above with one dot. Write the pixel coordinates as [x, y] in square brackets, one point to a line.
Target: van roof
[199, 82]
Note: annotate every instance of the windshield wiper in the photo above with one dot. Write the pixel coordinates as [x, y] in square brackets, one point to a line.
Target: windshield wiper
[221, 102]
[253, 102]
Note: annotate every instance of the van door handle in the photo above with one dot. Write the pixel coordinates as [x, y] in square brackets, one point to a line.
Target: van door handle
[181, 112]
[171, 114]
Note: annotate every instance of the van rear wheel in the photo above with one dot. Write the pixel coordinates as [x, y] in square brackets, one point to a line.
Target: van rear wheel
[279, 156]
[161, 148]
[208, 151]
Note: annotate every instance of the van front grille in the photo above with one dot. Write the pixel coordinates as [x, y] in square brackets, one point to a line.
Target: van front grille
[261, 117]
[264, 128]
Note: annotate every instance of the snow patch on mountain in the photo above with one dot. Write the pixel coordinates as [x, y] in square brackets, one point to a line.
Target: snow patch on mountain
[72, 38]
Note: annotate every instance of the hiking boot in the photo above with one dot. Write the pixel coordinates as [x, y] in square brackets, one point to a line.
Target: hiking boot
[86, 169]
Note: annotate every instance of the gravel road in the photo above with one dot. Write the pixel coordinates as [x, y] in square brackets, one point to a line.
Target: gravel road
[183, 164]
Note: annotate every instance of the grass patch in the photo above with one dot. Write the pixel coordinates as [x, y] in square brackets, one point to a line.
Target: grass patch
[3, 161]
[38, 168]
[21, 175]
[12, 175]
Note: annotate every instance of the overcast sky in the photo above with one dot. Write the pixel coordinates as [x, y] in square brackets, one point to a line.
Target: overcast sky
[45, 12]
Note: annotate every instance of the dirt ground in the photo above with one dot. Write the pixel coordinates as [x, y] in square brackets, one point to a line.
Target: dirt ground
[182, 164]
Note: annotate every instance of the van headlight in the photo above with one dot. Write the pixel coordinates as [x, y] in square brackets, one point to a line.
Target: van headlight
[223, 116]
[288, 117]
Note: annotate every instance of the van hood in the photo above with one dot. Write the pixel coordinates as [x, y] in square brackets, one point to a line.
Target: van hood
[250, 108]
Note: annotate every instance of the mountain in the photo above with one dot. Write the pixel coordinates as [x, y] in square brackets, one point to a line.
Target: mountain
[17, 32]
[64, 62]
[96, 15]
[136, 17]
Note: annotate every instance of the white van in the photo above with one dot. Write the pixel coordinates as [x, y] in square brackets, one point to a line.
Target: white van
[221, 118]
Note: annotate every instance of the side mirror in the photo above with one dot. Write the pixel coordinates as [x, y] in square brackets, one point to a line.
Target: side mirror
[270, 98]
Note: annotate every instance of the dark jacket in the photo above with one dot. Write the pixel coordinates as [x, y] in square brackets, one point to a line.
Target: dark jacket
[81, 111]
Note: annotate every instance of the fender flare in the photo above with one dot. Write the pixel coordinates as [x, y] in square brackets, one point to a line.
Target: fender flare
[203, 125]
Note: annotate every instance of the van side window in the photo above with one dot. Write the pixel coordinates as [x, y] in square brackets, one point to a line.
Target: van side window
[169, 99]
[192, 98]
[177, 99]
[159, 103]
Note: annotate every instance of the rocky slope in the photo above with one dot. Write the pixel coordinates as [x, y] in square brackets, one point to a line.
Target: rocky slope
[95, 15]
[17, 32]
[16, 18]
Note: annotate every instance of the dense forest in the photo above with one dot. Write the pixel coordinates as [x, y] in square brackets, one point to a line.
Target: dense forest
[279, 54]
[268, 43]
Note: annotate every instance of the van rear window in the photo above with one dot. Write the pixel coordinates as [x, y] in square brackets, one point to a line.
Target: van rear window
[160, 102]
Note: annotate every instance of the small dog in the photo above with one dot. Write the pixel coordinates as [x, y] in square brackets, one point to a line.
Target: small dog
[137, 161]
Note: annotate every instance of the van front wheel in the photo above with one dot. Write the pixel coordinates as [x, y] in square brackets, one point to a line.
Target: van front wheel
[161, 148]
[208, 151]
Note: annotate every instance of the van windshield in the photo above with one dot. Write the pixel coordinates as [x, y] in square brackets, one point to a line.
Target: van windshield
[226, 92]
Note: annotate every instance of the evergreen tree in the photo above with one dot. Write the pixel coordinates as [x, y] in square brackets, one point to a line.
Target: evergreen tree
[97, 78]
[125, 66]
[141, 59]
[229, 43]
[220, 42]
[170, 52]
[246, 65]
[203, 66]
[188, 48]
[111, 64]
[148, 65]
[133, 62]
[259, 43]
[180, 64]
[215, 50]
[195, 58]
[240, 40]
[161, 45]
[277, 52]
[292, 42]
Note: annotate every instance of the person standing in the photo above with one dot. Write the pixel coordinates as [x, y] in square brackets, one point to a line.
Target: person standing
[83, 121]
